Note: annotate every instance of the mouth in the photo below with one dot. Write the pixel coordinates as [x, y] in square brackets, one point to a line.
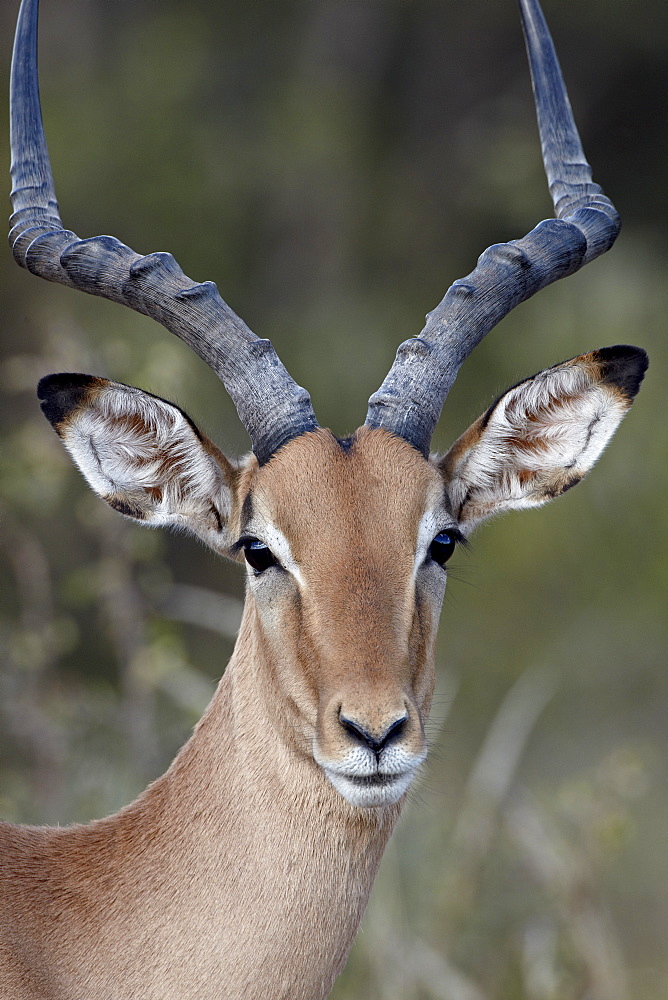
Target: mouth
[369, 780]
[373, 780]
[371, 790]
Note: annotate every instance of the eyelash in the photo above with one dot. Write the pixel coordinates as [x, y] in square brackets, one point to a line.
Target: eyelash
[443, 545]
[258, 555]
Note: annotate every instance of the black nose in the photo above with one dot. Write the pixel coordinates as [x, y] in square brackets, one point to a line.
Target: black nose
[375, 741]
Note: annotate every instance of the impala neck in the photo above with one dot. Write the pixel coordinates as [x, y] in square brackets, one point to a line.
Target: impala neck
[250, 821]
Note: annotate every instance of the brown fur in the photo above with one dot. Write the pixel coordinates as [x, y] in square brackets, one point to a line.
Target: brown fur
[242, 872]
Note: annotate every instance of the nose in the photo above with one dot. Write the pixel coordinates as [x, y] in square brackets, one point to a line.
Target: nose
[376, 741]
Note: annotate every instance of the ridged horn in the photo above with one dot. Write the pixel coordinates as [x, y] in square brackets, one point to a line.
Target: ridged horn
[410, 400]
[270, 404]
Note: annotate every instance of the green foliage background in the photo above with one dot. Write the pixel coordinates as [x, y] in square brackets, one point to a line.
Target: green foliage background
[334, 166]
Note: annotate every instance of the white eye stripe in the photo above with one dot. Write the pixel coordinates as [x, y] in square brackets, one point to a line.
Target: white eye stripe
[431, 523]
[276, 541]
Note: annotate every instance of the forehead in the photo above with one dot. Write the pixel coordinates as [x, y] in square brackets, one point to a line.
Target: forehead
[379, 481]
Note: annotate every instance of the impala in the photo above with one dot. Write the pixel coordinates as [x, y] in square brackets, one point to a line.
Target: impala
[244, 870]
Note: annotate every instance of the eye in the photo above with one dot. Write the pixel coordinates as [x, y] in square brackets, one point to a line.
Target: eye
[258, 556]
[442, 547]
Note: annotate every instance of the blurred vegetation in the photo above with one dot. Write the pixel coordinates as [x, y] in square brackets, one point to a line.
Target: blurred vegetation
[334, 166]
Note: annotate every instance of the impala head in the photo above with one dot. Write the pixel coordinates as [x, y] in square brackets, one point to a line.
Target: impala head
[351, 602]
[345, 541]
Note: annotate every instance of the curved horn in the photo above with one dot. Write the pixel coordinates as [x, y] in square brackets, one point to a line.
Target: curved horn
[410, 400]
[270, 404]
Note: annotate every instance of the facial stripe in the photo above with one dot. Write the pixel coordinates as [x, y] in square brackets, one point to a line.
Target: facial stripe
[246, 513]
[427, 529]
[274, 538]
[431, 523]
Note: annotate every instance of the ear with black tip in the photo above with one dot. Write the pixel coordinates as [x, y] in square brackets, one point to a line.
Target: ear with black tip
[62, 394]
[623, 367]
[541, 436]
[141, 454]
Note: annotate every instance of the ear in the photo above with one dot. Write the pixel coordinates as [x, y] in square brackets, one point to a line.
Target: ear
[541, 436]
[142, 455]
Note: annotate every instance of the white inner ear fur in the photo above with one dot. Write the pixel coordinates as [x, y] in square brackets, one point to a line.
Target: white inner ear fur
[554, 425]
[129, 444]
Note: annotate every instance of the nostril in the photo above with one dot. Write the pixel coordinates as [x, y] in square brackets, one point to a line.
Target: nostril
[375, 742]
[395, 730]
[359, 732]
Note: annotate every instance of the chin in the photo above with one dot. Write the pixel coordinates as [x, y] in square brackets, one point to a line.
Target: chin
[371, 791]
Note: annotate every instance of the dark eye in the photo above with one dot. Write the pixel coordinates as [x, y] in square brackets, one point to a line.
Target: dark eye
[258, 556]
[442, 547]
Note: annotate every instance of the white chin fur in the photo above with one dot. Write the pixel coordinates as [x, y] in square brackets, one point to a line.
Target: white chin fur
[371, 792]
